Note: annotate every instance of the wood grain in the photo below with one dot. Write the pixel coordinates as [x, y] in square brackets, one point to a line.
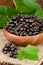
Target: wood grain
[6, 2]
[40, 2]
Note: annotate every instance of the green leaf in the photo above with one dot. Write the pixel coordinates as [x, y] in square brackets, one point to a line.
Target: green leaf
[31, 49]
[32, 3]
[28, 2]
[12, 11]
[23, 8]
[3, 20]
[6, 12]
[29, 52]
[35, 5]
[31, 56]
[27, 6]
[3, 10]
[39, 14]
[21, 55]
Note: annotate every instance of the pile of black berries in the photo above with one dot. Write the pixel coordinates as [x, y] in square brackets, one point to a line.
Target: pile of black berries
[25, 25]
[11, 49]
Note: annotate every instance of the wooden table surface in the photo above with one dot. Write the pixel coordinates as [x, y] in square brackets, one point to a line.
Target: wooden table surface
[6, 60]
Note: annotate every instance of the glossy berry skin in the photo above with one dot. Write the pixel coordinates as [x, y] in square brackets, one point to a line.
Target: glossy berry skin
[11, 49]
[3, 50]
[23, 25]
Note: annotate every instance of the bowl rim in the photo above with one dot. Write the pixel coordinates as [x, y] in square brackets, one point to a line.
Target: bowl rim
[23, 40]
[20, 36]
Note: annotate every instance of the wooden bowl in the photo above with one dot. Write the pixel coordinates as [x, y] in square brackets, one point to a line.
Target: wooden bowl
[23, 40]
